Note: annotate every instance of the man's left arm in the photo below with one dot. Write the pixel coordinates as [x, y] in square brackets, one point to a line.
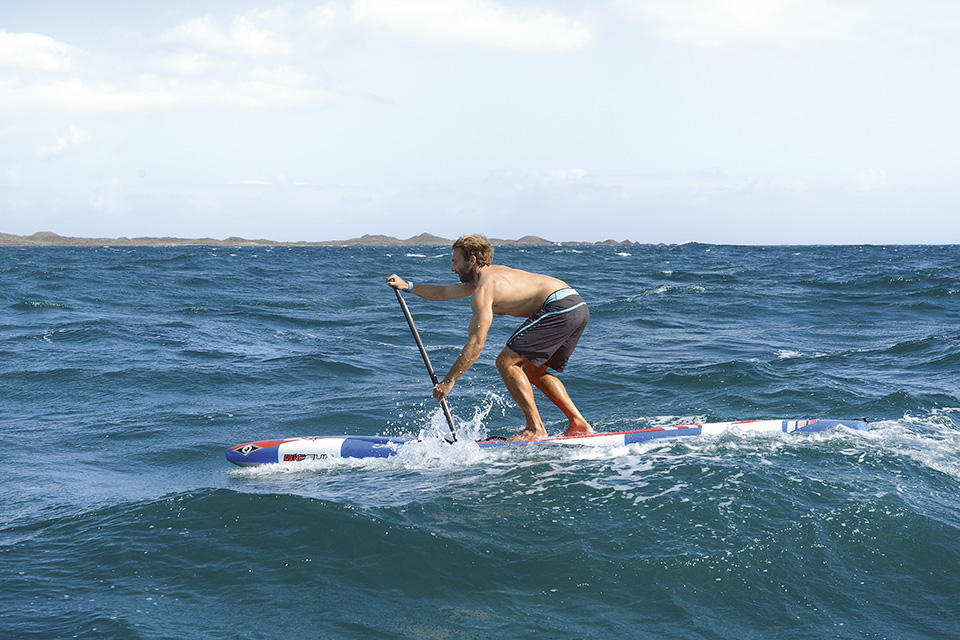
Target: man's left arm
[480, 321]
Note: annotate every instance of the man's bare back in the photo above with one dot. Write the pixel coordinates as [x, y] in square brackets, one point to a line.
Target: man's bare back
[516, 292]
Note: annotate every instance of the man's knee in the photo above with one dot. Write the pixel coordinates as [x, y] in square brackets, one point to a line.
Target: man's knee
[509, 358]
[533, 372]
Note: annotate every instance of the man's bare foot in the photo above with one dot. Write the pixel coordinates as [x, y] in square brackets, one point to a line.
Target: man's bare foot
[529, 434]
[578, 430]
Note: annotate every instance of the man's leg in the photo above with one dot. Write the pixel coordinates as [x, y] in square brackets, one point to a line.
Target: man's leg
[510, 365]
[551, 387]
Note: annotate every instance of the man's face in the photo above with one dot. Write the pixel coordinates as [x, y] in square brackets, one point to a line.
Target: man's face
[461, 266]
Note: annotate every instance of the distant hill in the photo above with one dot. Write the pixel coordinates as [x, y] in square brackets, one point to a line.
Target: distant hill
[49, 239]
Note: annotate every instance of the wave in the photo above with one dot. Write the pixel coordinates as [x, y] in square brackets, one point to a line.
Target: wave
[123, 519]
[37, 305]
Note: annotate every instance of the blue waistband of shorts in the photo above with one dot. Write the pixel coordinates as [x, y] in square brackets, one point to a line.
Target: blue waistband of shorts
[560, 294]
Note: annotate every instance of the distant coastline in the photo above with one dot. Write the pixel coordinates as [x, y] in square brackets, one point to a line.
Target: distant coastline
[49, 239]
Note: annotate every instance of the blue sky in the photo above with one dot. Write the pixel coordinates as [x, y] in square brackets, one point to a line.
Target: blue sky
[737, 121]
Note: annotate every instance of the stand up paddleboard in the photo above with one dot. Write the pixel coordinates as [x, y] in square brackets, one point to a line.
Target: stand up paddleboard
[326, 447]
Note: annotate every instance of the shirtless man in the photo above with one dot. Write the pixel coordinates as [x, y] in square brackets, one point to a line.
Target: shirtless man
[556, 316]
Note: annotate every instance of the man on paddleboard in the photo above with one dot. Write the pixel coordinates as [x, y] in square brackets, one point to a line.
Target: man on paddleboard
[556, 317]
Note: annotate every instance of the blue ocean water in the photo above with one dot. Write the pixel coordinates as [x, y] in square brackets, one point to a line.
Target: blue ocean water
[126, 372]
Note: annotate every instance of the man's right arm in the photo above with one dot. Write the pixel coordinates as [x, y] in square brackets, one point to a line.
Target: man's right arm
[437, 292]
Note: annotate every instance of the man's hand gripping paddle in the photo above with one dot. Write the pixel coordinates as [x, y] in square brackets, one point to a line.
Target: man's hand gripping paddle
[426, 361]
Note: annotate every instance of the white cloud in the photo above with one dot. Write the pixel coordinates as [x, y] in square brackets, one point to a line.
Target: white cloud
[247, 36]
[74, 138]
[711, 24]
[792, 23]
[33, 51]
[280, 75]
[329, 17]
[254, 41]
[194, 64]
[198, 32]
[188, 64]
[262, 87]
[475, 22]
[218, 60]
[77, 95]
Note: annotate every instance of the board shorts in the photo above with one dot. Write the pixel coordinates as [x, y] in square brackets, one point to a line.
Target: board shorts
[550, 335]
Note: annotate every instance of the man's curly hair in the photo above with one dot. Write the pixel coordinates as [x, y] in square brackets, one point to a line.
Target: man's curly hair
[475, 245]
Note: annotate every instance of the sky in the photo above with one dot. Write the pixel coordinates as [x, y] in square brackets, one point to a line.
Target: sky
[721, 121]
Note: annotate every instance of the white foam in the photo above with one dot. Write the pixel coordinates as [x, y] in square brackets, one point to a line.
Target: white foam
[787, 353]
[932, 440]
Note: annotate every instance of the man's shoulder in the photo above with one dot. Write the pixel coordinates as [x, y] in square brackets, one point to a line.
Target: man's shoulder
[491, 275]
[496, 271]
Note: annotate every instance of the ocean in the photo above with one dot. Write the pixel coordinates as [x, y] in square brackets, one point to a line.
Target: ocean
[126, 372]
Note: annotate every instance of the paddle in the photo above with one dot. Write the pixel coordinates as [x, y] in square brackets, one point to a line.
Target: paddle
[426, 361]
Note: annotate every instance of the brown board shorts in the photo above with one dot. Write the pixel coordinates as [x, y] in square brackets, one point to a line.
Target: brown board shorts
[550, 335]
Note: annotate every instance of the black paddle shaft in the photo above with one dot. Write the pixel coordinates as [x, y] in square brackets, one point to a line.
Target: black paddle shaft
[426, 361]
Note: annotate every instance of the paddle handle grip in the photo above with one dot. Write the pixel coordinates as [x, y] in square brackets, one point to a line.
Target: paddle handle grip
[426, 361]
